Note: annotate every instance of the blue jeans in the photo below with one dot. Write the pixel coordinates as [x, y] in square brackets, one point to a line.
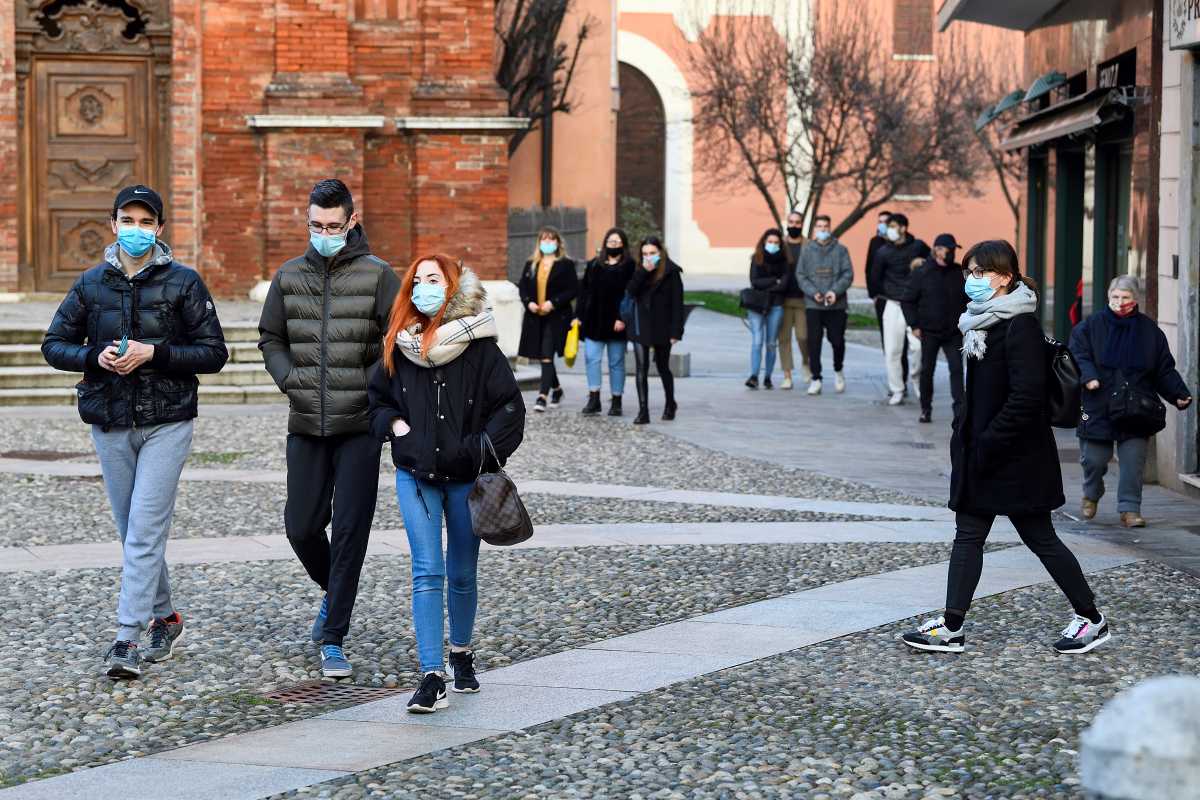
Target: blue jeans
[764, 330]
[422, 505]
[1094, 456]
[593, 352]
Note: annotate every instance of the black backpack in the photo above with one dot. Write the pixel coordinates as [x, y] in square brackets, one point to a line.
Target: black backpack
[1062, 385]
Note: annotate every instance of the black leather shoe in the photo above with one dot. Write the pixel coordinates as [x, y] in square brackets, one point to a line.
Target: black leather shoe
[669, 411]
[614, 408]
[643, 417]
[926, 416]
[593, 405]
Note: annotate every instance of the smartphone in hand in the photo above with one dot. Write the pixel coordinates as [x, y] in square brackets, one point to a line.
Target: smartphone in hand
[123, 346]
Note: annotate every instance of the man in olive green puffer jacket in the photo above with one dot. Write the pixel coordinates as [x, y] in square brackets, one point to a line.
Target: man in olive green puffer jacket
[321, 334]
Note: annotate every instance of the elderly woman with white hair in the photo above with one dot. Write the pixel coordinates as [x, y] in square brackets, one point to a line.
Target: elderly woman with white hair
[1125, 366]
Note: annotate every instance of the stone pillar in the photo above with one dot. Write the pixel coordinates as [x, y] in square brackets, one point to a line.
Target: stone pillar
[9, 150]
[1145, 743]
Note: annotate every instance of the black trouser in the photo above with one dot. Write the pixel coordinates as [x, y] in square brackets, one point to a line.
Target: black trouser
[332, 478]
[821, 322]
[549, 347]
[1037, 532]
[951, 345]
[662, 362]
[880, 305]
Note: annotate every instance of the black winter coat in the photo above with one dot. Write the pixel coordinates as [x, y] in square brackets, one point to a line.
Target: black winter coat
[659, 306]
[874, 276]
[321, 334]
[1005, 460]
[1159, 377]
[935, 298]
[165, 304]
[447, 409]
[774, 275]
[793, 291]
[561, 288]
[600, 294]
[893, 265]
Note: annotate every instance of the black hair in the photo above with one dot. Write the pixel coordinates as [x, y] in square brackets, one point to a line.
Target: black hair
[332, 193]
[899, 219]
[887, 214]
[656, 241]
[997, 255]
[624, 241]
[820, 217]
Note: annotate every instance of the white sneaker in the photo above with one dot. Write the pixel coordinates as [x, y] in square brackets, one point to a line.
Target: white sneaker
[787, 382]
[805, 374]
[839, 382]
[896, 399]
[814, 387]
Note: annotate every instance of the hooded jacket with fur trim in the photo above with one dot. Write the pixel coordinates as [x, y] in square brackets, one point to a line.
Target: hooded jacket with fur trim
[448, 407]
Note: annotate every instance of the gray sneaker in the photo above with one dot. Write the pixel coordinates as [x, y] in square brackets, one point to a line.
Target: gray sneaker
[934, 635]
[164, 633]
[1082, 636]
[123, 661]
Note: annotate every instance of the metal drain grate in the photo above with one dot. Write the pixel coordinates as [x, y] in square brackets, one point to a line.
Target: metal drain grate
[327, 692]
[40, 455]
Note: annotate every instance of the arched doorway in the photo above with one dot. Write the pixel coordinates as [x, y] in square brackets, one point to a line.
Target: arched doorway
[641, 144]
[93, 80]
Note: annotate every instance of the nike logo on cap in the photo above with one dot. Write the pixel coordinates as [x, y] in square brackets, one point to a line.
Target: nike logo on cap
[140, 191]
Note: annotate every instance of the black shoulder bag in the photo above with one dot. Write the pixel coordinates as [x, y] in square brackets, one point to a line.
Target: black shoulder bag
[1062, 385]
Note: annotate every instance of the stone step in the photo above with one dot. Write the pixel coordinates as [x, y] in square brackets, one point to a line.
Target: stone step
[59, 396]
[44, 377]
[33, 334]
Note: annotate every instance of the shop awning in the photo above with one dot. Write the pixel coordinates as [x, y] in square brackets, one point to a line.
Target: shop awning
[1043, 85]
[1023, 15]
[1074, 116]
[990, 114]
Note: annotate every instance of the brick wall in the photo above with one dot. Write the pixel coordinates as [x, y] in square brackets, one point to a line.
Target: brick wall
[183, 192]
[912, 27]
[312, 37]
[9, 154]
[387, 198]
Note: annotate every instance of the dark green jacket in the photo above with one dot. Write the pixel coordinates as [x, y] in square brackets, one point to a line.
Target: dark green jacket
[321, 334]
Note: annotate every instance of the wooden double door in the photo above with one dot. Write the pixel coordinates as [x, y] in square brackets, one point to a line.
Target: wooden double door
[92, 128]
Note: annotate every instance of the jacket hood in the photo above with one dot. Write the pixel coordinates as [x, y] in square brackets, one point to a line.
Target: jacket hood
[162, 257]
[470, 300]
[356, 246]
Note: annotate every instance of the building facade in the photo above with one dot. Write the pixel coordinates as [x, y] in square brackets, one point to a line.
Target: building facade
[631, 133]
[1108, 128]
[233, 109]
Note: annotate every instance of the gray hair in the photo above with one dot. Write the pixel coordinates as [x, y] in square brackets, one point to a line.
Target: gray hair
[1126, 283]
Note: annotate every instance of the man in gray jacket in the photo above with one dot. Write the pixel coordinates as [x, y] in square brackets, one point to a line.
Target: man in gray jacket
[825, 274]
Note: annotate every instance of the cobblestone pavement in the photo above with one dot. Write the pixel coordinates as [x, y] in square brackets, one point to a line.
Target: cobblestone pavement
[248, 626]
[859, 717]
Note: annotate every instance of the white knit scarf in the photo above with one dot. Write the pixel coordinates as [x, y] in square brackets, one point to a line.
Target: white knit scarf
[978, 317]
[451, 340]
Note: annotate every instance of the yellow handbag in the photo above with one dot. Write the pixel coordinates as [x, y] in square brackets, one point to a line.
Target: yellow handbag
[571, 348]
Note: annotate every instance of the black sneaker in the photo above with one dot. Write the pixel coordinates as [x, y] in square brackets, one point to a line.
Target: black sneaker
[767, 383]
[430, 695]
[123, 661]
[752, 382]
[556, 397]
[539, 405]
[1082, 635]
[926, 416]
[934, 635]
[164, 633]
[462, 668]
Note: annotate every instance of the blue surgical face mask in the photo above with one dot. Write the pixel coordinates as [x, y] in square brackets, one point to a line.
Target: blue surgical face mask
[548, 248]
[823, 236]
[653, 259]
[882, 228]
[893, 234]
[327, 245]
[771, 248]
[979, 289]
[135, 241]
[428, 297]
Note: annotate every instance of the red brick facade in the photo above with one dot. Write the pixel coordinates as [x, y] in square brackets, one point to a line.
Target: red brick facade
[912, 29]
[266, 97]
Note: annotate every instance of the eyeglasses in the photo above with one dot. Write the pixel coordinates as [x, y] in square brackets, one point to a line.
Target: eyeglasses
[329, 230]
[976, 272]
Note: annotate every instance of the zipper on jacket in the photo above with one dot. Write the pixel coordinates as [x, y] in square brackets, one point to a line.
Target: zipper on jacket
[324, 350]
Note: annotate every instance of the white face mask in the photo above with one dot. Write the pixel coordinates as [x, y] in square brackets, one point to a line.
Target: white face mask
[893, 234]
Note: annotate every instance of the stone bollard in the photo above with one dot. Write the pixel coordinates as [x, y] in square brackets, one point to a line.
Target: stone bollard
[1145, 743]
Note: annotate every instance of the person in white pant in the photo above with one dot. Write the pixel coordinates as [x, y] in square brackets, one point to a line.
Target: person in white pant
[893, 262]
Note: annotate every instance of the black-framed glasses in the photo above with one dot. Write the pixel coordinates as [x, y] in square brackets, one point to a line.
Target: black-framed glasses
[327, 230]
[976, 272]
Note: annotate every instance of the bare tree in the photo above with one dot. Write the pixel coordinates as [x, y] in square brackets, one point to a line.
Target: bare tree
[997, 78]
[533, 67]
[827, 113]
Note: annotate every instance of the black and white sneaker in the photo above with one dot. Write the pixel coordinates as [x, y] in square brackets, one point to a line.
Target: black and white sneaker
[430, 695]
[556, 396]
[462, 669]
[1082, 635]
[933, 635]
[539, 405]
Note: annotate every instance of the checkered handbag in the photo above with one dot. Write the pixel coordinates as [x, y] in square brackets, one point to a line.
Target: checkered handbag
[498, 516]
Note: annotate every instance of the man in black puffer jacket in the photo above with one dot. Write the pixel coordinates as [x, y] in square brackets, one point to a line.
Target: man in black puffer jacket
[140, 327]
[321, 334]
[934, 301]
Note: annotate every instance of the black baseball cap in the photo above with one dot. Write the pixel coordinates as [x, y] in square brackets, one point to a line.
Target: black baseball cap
[945, 240]
[139, 194]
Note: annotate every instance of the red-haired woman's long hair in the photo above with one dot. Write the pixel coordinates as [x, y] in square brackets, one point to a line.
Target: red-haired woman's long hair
[404, 314]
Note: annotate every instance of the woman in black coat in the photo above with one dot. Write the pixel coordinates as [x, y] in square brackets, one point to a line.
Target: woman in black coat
[657, 289]
[548, 285]
[1115, 346]
[1005, 461]
[598, 312]
[772, 271]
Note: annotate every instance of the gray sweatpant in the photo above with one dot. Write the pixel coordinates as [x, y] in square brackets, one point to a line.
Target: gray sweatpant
[141, 469]
[1094, 456]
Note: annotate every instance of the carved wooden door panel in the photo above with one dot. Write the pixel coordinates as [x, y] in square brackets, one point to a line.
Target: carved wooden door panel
[94, 132]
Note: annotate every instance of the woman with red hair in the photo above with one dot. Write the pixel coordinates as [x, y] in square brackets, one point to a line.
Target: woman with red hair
[446, 399]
